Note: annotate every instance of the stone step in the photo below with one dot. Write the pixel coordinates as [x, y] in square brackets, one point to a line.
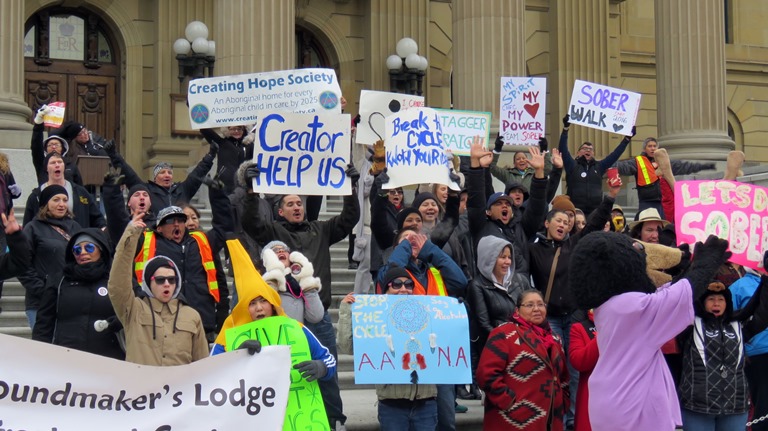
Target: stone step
[13, 319]
[11, 303]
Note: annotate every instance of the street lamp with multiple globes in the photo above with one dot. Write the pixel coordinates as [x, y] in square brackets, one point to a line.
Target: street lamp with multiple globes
[407, 68]
[196, 53]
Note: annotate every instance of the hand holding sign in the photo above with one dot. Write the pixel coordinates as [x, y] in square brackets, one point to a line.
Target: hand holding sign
[352, 174]
[252, 346]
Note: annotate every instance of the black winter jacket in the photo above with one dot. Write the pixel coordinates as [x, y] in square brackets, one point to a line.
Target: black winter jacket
[84, 208]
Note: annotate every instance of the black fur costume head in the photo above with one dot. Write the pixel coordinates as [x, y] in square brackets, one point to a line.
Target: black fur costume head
[603, 265]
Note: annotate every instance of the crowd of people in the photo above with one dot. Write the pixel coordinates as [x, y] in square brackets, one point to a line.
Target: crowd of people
[136, 278]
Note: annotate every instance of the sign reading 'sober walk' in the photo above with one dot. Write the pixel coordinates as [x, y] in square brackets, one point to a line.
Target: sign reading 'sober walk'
[237, 99]
[605, 108]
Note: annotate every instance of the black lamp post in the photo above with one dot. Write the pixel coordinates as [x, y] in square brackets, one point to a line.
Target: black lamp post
[407, 68]
[195, 54]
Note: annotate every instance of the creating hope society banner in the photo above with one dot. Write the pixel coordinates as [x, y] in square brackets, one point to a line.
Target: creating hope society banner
[604, 108]
[47, 387]
[402, 338]
[375, 107]
[305, 410]
[523, 110]
[459, 127]
[237, 99]
[731, 210]
[415, 151]
[304, 154]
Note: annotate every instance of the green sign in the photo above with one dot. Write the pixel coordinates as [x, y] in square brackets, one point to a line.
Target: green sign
[305, 411]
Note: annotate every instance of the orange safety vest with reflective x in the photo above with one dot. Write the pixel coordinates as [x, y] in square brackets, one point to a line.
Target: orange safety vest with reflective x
[435, 284]
[148, 250]
[646, 173]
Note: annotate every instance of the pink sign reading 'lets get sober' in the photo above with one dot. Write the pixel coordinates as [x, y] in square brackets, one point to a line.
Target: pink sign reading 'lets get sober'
[737, 212]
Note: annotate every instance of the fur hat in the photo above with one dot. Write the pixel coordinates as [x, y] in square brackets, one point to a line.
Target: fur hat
[563, 203]
[603, 265]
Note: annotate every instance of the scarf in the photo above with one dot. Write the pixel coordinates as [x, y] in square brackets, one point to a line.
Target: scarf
[92, 271]
[542, 332]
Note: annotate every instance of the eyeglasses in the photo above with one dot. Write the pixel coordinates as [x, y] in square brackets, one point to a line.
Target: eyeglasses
[89, 248]
[399, 284]
[162, 280]
[531, 305]
[395, 192]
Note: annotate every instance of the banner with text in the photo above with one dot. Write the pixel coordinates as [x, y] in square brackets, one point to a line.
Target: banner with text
[47, 387]
[375, 107]
[737, 212]
[305, 410]
[459, 127]
[604, 108]
[238, 99]
[305, 154]
[399, 338]
[523, 110]
[416, 150]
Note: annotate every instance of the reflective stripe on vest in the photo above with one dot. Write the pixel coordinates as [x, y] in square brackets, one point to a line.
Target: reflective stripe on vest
[149, 249]
[646, 173]
[435, 283]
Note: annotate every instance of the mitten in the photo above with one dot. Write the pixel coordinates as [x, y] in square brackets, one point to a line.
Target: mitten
[253, 346]
[214, 183]
[100, 325]
[381, 179]
[379, 158]
[42, 112]
[566, 121]
[352, 174]
[305, 277]
[707, 258]
[114, 176]
[15, 190]
[543, 144]
[498, 144]
[252, 172]
[312, 370]
[274, 270]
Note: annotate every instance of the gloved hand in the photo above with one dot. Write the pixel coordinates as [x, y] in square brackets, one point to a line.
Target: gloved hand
[109, 147]
[707, 258]
[454, 177]
[566, 121]
[356, 120]
[100, 325]
[214, 183]
[352, 174]
[15, 190]
[43, 111]
[631, 134]
[252, 172]
[213, 148]
[498, 144]
[381, 179]
[312, 370]
[253, 346]
[543, 144]
[379, 158]
[114, 176]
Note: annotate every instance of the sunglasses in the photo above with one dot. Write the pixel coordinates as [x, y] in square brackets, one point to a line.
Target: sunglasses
[171, 220]
[89, 248]
[279, 250]
[161, 280]
[399, 284]
[395, 192]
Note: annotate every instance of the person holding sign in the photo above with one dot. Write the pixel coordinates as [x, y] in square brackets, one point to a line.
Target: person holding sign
[52, 144]
[234, 148]
[584, 174]
[160, 329]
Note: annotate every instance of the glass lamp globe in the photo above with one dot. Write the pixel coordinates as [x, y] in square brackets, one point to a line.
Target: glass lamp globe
[394, 62]
[196, 29]
[412, 61]
[200, 45]
[181, 46]
[406, 46]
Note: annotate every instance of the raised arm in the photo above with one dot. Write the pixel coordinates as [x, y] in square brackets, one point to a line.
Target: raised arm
[617, 152]
[120, 285]
[568, 161]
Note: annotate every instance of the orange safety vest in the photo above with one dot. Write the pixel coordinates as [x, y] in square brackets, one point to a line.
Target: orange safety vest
[435, 284]
[148, 250]
[646, 173]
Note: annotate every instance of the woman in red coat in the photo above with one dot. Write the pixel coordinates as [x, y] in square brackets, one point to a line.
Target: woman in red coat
[582, 352]
[523, 372]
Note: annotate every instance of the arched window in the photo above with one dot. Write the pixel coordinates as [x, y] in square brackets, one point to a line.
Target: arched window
[53, 36]
[309, 51]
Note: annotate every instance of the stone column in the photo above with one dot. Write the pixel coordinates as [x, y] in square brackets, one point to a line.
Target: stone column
[14, 113]
[488, 43]
[254, 36]
[690, 76]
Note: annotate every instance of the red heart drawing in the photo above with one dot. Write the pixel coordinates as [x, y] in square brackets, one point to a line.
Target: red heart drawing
[531, 109]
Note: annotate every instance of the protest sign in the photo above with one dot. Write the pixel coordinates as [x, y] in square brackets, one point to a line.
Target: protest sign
[305, 410]
[604, 108]
[238, 99]
[737, 212]
[523, 110]
[304, 154]
[415, 151]
[399, 337]
[459, 127]
[375, 107]
[56, 116]
[48, 387]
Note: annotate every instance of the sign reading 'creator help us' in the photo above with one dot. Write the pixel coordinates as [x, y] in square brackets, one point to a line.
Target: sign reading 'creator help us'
[238, 99]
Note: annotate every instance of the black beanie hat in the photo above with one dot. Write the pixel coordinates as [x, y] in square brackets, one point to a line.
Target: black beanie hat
[136, 188]
[50, 191]
[421, 197]
[402, 215]
[393, 273]
[155, 264]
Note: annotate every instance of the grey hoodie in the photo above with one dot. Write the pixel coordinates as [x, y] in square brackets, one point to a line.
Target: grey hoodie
[488, 249]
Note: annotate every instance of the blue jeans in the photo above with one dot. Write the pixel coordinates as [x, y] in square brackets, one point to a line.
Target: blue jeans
[325, 333]
[419, 416]
[694, 421]
[561, 325]
[31, 318]
[446, 407]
